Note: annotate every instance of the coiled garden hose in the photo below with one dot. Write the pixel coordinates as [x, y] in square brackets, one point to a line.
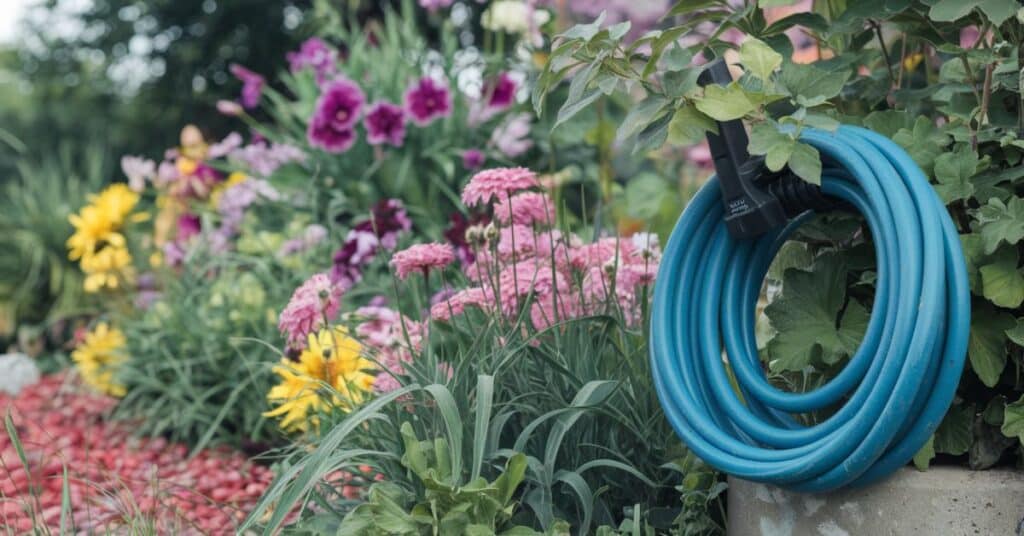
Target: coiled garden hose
[897, 386]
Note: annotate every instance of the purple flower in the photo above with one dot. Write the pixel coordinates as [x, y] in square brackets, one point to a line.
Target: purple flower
[434, 5]
[188, 226]
[314, 53]
[427, 100]
[252, 85]
[385, 123]
[337, 111]
[387, 220]
[501, 92]
[473, 159]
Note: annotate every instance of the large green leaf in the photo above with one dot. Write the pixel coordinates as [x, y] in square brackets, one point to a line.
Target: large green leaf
[725, 103]
[953, 172]
[996, 10]
[806, 163]
[806, 317]
[776, 146]
[812, 85]
[924, 456]
[1001, 222]
[924, 142]
[986, 346]
[1013, 420]
[759, 58]
[954, 434]
[689, 126]
[1001, 281]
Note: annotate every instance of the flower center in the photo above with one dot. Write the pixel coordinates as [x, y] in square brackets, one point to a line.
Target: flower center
[342, 115]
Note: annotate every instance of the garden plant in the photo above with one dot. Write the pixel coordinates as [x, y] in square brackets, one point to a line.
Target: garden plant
[411, 292]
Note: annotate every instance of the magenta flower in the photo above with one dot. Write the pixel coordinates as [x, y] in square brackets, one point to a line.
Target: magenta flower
[188, 226]
[427, 100]
[252, 85]
[312, 305]
[473, 159]
[387, 220]
[385, 123]
[314, 53]
[337, 110]
[421, 258]
[492, 183]
[501, 92]
[434, 5]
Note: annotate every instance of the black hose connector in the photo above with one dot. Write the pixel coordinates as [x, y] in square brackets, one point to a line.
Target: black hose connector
[756, 200]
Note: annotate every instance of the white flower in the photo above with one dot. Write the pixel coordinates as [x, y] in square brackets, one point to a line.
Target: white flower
[645, 243]
[138, 170]
[513, 16]
[511, 137]
[17, 371]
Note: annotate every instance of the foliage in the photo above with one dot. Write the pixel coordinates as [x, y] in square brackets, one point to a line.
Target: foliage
[38, 285]
[942, 79]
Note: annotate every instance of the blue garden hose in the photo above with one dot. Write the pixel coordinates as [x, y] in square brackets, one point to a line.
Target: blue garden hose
[895, 389]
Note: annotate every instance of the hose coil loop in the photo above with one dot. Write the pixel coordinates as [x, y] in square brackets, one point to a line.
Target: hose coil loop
[897, 386]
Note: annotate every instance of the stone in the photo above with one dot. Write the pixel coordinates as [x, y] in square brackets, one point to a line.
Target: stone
[951, 501]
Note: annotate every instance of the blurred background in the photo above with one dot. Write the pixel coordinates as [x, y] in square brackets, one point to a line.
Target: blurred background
[88, 79]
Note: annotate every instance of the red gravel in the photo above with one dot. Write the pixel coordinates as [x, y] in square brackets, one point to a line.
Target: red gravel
[115, 479]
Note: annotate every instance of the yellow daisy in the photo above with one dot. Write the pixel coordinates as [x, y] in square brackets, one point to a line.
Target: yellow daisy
[333, 358]
[106, 268]
[98, 356]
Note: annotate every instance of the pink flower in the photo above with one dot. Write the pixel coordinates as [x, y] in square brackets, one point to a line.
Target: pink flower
[332, 126]
[530, 277]
[598, 253]
[385, 123]
[501, 92]
[422, 257]
[252, 85]
[492, 183]
[427, 100]
[525, 208]
[511, 138]
[311, 306]
[313, 53]
[434, 5]
[457, 303]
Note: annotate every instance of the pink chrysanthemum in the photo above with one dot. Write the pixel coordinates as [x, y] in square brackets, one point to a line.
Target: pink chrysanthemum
[601, 252]
[531, 277]
[525, 208]
[493, 183]
[421, 258]
[457, 303]
[519, 242]
[312, 305]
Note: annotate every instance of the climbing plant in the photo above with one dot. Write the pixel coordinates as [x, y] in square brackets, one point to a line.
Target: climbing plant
[942, 78]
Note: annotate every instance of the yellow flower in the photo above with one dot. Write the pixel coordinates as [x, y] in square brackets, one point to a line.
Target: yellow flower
[333, 358]
[912, 61]
[93, 228]
[98, 356]
[116, 201]
[106, 268]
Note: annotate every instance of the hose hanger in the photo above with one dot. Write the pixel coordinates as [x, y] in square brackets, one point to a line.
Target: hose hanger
[897, 386]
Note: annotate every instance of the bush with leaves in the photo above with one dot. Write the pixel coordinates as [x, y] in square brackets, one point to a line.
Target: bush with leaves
[942, 78]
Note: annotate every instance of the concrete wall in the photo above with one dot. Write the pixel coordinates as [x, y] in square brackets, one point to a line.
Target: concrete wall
[942, 501]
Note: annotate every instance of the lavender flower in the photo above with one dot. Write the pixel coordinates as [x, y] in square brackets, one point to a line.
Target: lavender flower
[262, 159]
[337, 111]
[138, 170]
[311, 236]
[385, 123]
[228, 144]
[427, 100]
[314, 53]
[434, 5]
[252, 85]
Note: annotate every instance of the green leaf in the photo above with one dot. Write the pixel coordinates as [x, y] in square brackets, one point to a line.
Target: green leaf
[986, 346]
[776, 146]
[953, 171]
[640, 116]
[812, 84]
[1016, 333]
[683, 7]
[924, 142]
[1001, 222]
[688, 126]
[806, 316]
[997, 11]
[806, 163]
[725, 103]
[954, 434]
[924, 456]
[1013, 420]
[759, 58]
[1001, 280]
[585, 32]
